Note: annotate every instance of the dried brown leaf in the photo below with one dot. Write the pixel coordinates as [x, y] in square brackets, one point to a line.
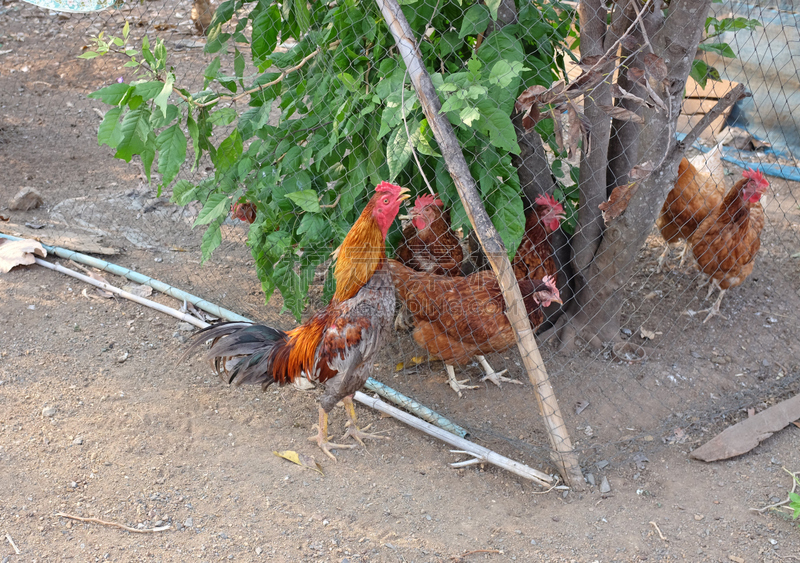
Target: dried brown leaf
[19, 253]
[621, 93]
[622, 114]
[301, 459]
[585, 82]
[655, 97]
[655, 66]
[617, 202]
[630, 43]
[642, 170]
[138, 290]
[557, 130]
[635, 74]
[529, 97]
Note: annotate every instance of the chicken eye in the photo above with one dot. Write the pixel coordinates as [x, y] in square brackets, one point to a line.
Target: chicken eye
[386, 201]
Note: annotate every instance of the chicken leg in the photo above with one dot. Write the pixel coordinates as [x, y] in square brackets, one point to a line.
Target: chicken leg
[321, 437]
[714, 309]
[454, 383]
[663, 257]
[493, 376]
[353, 430]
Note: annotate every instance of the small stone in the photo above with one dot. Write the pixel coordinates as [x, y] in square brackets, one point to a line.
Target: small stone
[158, 523]
[603, 463]
[25, 200]
[605, 487]
[73, 485]
[158, 259]
[698, 517]
[259, 551]
[765, 363]
[626, 332]
[696, 355]
[49, 411]
[189, 522]
[590, 479]
[185, 327]
[122, 358]
[77, 441]
[773, 542]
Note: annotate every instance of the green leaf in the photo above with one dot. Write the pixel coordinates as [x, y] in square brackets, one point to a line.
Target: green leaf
[453, 103]
[157, 120]
[134, 130]
[449, 43]
[148, 90]
[722, 49]
[468, 115]
[111, 95]
[238, 65]
[212, 70]
[398, 152]
[313, 227]
[109, 132]
[217, 205]
[229, 151]
[212, 238]
[699, 72]
[194, 134]
[348, 80]
[307, 200]
[171, 145]
[493, 5]
[266, 26]
[475, 22]
[163, 97]
[498, 126]
[424, 142]
[183, 192]
[223, 116]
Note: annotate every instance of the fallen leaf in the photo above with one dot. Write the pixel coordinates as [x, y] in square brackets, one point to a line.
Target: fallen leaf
[399, 366]
[300, 459]
[618, 201]
[648, 334]
[640, 459]
[796, 423]
[138, 290]
[19, 253]
[4, 217]
[622, 114]
[580, 406]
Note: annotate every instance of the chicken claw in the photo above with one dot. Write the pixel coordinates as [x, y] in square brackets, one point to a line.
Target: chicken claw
[454, 383]
[353, 431]
[713, 311]
[321, 437]
[494, 376]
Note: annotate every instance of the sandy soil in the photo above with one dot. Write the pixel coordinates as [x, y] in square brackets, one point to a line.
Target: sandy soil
[97, 420]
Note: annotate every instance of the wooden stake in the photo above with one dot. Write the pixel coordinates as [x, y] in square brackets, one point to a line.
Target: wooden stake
[563, 455]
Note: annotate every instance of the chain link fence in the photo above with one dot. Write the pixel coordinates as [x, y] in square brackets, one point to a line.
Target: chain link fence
[298, 110]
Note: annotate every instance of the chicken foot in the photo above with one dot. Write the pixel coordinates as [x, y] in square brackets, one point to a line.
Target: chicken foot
[353, 431]
[493, 376]
[713, 311]
[454, 383]
[321, 437]
[663, 257]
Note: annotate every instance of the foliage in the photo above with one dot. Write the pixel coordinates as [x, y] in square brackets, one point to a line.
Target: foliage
[714, 28]
[347, 117]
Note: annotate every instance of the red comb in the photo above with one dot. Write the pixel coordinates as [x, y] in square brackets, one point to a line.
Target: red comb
[425, 200]
[757, 176]
[387, 187]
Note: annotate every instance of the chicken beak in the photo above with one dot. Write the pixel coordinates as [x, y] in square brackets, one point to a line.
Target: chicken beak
[557, 300]
[404, 194]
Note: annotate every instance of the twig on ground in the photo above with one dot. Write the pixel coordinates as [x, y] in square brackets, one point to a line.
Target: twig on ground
[788, 497]
[16, 549]
[473, 552]
[660, 535]
[113, 524]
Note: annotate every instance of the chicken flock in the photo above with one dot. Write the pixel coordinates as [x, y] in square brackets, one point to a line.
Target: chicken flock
[458, 317]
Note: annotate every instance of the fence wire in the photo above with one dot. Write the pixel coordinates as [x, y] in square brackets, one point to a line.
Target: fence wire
[665, 379]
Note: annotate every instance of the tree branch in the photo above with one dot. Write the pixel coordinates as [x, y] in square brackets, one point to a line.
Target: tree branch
[564, 456]
[738, 93]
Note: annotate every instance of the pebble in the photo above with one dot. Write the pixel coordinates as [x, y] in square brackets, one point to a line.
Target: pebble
[49, 411]
[185, 327]
[605, 487]
[78, 441]
[123, 357]
[696, 355]
[158, 523]
[259, 551]
[626, 331]
[590, 479]
[25, 200]
[603, 463]
[73, 485]
[189, 522]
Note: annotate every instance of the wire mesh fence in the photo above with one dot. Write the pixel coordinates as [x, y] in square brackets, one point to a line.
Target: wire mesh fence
[250, 166]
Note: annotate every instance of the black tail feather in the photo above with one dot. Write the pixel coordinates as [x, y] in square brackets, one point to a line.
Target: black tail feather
[250, 346]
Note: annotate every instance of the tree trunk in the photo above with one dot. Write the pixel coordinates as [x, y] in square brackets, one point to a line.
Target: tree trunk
[594, 314]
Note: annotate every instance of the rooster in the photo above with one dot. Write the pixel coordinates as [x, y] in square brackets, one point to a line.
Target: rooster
[458, 319]
[337, 346]
[698, 190]
[726, 243]
[429, 243]
[534, 257]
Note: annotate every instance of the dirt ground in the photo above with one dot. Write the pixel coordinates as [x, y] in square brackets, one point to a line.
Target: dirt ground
[97, 420]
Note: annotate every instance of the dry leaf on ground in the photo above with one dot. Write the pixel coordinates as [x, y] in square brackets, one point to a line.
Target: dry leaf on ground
[301, 459]
[19, 253]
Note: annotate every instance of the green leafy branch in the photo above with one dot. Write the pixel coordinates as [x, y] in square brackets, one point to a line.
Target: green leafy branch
[714, 28]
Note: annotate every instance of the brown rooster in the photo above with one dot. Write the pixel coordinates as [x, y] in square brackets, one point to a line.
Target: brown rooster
[458, 319]
[429, 243]
[697, 192]
[534, 258]
[726, 243]
[338, 344]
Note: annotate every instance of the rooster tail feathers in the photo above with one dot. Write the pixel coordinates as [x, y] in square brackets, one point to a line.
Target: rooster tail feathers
[241, 353]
